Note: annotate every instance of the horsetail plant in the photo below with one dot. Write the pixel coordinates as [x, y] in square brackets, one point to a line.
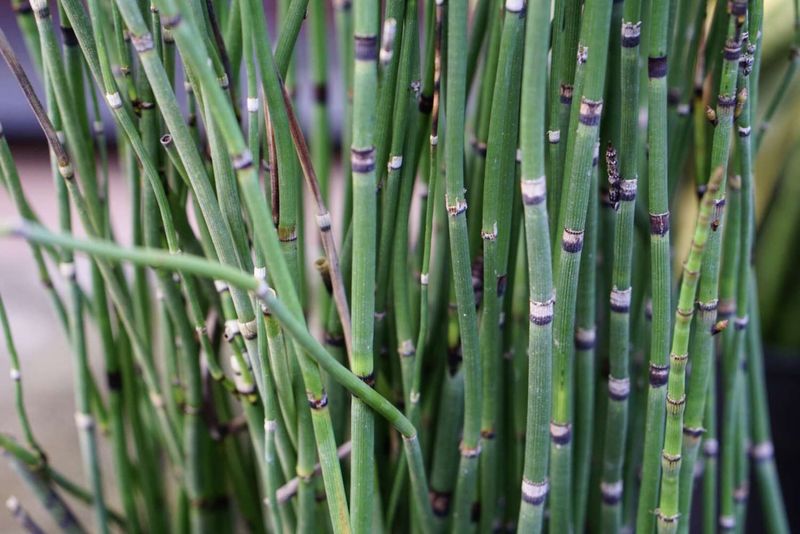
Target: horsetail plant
[469, 171]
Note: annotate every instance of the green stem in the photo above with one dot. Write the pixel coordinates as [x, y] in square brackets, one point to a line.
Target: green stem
[540, 278]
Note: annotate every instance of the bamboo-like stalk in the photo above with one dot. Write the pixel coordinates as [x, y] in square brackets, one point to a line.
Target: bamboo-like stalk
[428, 105]
[201, 267]
[623, 188]
[362, 161]
[84, 421]
[540, 282]
[495, 233]
[345, 46]
[586, 345]
[658, 208]
[676, 397]
[762, 450]
[734, 379]
[324, 223]
[83, 418]
[707, 298]
[388, 136]
[561, 90]
[402, 157]
[586, 112]
[710, 452]
[267, 240]
[444, 463]
[230, 281]
[456, 204]
[90, 216]
[476, 158]
[480, 21]
[16, 376]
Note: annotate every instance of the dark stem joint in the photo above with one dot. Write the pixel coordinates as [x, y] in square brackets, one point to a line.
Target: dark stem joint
[43, 12]
[583, 54]
[627, 190]
[611, 492]
[590, 112]
[533, 191]
[671, 460]
[658, 375]
[440, 502]
[366, 47]
[70, 39]
[674, 405]
[732, 51]
[726, 101]
[320, 93]
[318, 404]
[657, 66]
[707, 306]
[585, 339]
[694, 432]
[362, 161]
[631, 34]
[425, 103]
[560, 434]
[220, 502]
[368, 379]
[659, 223]
[738, 8]
[572, 240]
[479, 147]
[727, 307]
[169, 23]
[334, 340]
[142, 43]
[673, 96]
[565, 93]
[762, 452]
[454, 359]
[534, 493]
[243, 160]
[667, 519]
[741, 493]
[114, 380]
[620, 307]
[502, 285]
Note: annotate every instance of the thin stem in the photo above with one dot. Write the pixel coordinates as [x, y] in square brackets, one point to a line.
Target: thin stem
[540, 279]
[362, 161]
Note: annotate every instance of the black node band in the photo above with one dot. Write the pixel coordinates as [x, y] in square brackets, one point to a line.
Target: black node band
[659, 223]
[658, 375]
[366, 47]
[657, 67]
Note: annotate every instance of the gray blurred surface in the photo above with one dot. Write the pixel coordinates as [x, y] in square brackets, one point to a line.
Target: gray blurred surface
[45, 358]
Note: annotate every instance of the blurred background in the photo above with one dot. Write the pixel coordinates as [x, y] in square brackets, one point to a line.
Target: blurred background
[44, 354]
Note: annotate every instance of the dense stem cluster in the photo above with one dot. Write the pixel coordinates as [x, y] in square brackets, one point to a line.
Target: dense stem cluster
[496, 200]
